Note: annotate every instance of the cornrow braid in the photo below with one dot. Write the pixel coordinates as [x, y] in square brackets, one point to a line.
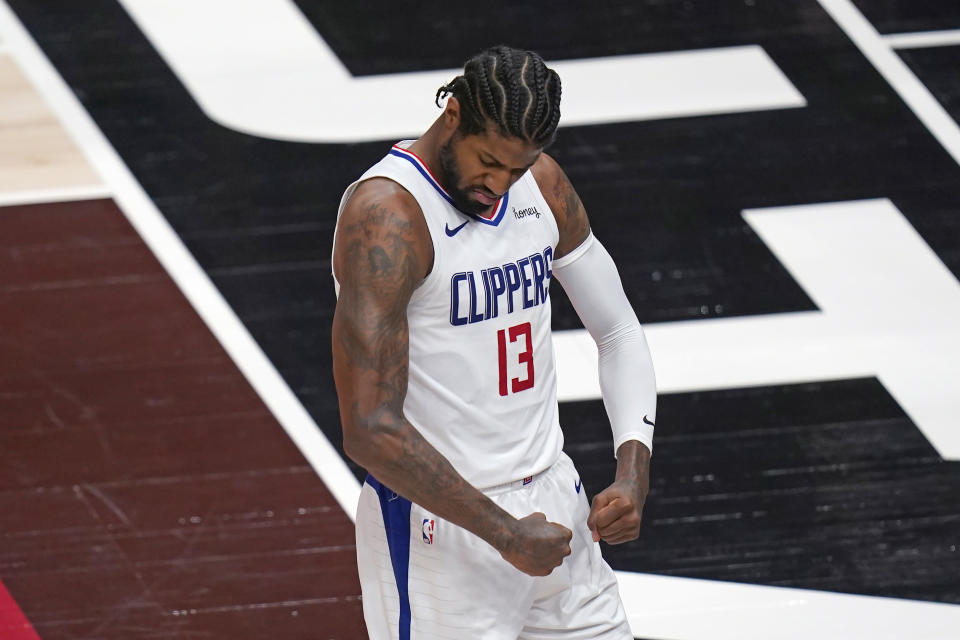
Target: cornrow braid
[510, 89]
[539, 80]
[514, 109]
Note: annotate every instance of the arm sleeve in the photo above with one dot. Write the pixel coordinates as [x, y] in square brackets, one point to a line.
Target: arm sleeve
[627, 382]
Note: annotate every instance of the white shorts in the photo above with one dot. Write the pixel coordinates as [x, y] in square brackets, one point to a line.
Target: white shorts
[424, 578]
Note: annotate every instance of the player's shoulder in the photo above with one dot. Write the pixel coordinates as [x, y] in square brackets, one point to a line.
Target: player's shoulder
[377, 198]
[553, 182]
[381, 213]
[548, 173]
[563, 201]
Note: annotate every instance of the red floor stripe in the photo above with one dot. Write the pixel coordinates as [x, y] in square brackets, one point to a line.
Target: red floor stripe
[13, 624]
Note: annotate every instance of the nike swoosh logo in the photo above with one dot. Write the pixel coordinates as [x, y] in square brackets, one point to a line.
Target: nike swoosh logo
[453, 232]
[576, 485]
[648, 421]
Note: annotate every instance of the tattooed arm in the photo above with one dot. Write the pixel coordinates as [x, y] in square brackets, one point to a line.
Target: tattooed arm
[591, 281]
[383, 251]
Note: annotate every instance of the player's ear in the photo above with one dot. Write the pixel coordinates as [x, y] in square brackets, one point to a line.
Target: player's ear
[451, 114]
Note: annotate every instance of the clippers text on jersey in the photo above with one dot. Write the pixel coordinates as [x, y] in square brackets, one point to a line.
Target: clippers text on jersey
[501, 289]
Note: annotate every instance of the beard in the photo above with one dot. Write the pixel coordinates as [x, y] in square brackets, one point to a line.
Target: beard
[451, 178]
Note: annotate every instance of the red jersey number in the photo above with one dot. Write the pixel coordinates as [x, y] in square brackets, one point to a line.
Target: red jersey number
[525, 357]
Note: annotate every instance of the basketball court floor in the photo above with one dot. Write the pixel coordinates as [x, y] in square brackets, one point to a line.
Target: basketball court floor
[778, 181]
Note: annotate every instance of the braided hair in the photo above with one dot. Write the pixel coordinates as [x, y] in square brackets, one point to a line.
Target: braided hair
[511, 89]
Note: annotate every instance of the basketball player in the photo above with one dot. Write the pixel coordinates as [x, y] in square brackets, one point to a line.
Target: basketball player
[472, 522]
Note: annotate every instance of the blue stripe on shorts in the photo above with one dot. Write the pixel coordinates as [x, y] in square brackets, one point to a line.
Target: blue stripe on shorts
[396, 521]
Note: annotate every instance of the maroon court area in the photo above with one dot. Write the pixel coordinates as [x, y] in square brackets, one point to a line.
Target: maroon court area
[145, 490]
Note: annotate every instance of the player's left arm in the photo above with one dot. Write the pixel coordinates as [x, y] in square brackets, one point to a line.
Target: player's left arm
[591, 281]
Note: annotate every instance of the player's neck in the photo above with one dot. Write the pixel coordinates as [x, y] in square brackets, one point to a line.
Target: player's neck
[427, 146]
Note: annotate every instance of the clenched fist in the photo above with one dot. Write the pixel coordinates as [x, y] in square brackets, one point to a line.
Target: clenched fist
[536, 546]
[617, 511]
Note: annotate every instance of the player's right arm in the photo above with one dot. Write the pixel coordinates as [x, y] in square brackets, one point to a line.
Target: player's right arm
[383, 251]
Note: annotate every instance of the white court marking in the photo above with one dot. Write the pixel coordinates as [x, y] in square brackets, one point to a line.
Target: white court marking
[62, 194]
[687, 609]
[920, 39]
[888, 308]
[881, 55]
[259, 66]
[676, 608]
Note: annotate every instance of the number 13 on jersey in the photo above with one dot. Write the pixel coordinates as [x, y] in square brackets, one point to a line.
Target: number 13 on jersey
[513, 334]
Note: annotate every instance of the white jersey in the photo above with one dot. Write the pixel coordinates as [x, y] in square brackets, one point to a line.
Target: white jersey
[482, 381]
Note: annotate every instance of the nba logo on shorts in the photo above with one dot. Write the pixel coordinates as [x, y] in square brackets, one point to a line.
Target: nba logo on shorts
[427, 530]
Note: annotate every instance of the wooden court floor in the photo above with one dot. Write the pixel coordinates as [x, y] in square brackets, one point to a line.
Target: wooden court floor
[146, 491]
[165, 304]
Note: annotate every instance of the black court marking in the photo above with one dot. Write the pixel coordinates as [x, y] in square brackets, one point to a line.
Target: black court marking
[937, 68]
[822, 486]
[664, 196]
[907, 16]
[421, 39]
